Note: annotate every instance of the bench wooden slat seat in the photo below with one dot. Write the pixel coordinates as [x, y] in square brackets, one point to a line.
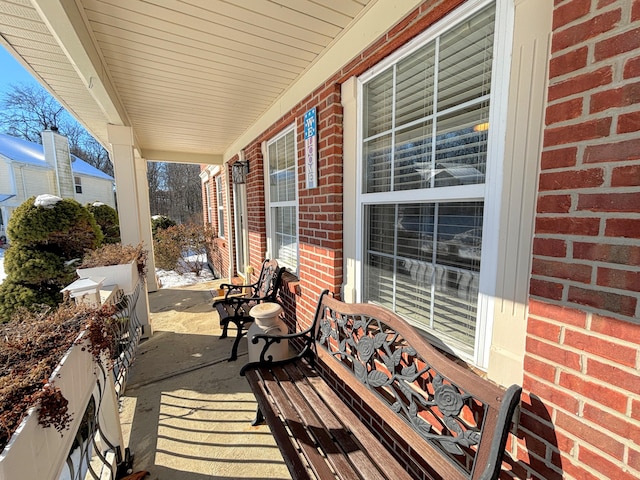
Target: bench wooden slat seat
[368, 397]
[238, 300]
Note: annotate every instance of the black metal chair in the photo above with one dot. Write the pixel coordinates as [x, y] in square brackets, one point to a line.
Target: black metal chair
[240, 299]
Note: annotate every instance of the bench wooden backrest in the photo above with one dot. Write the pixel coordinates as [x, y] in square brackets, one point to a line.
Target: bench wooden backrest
[451, 417]
[268, 283]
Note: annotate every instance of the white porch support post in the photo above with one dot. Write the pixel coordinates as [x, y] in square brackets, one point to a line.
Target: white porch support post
[145, 220]
[127, 171]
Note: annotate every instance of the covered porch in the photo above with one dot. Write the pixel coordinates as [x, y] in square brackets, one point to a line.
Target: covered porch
[186, 413]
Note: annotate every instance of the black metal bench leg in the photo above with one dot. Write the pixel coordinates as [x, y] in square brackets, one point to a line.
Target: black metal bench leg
[225, 329]
[240, 333]
[259, 420]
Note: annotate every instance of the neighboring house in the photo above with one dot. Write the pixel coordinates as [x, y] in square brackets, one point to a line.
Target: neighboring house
[28, 169]
[478, 172]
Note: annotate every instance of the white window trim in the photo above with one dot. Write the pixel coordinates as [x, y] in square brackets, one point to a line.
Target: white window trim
[267, 191]
[207, 199]
[490, 192]
[220, 207]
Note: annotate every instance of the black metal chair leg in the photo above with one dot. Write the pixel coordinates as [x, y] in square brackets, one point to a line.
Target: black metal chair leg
[259, 419]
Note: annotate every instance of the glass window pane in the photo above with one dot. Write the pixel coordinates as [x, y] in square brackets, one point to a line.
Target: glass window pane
[285, 239]
[413, 163]
[432, 282]
[415, 231]
[465, 60]
[379, 285]
[461, 147]
[380, 223]
[377, 154]
[378, 104]
[414, 86]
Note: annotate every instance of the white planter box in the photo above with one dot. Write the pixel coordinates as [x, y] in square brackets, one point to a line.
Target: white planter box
[124, 275]
[35, 452]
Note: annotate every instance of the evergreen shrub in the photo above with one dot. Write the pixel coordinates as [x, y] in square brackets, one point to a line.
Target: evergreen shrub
[46, 239]
[160, 222]
[107, 219]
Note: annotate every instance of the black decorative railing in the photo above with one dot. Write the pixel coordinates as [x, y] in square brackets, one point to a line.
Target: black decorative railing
[93, 454]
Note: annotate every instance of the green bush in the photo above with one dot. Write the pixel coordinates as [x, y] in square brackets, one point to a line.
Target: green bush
[67, 226]
[45, 241]
[107, 219]
[160, 222]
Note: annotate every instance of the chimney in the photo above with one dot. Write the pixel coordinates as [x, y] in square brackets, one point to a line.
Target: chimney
[56, 154]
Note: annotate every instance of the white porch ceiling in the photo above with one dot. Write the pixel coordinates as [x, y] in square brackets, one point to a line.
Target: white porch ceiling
[190, 76]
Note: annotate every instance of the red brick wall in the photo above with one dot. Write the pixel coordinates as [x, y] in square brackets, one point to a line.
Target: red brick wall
[581, 408]
[581, 417]
[320, 209]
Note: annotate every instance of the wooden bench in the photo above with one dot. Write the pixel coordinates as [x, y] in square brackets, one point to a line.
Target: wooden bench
[368, 397]
[237, 300]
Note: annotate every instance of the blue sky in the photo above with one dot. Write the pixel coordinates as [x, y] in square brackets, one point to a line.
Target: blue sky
[11, 72]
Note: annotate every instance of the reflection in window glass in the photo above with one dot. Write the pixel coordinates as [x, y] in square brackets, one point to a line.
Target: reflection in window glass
[423, 261]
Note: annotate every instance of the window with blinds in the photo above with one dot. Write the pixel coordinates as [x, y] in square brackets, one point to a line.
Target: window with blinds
[207, 201]
[425, 122]
[220, 204]
[283, 209]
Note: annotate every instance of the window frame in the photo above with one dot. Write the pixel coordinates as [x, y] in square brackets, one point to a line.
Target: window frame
[207, 199]
[77, 184]
[490, 192]
[269, 204]
[220, 207]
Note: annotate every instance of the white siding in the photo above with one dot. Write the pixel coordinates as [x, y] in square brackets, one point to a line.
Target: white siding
[6, 185]
[95, 190]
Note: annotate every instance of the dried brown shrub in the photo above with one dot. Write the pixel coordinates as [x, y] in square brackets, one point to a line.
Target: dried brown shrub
[31, 346]
[116, 254]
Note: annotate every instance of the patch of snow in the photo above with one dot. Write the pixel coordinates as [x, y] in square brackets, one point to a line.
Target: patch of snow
[46, 200]
[167, 278]
[97, 204]
[170, 278]
[2, 274]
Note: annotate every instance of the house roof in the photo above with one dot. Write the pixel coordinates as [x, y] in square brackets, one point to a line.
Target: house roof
[23, 151]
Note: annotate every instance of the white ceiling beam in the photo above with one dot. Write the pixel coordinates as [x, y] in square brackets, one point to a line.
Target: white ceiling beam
[67, 25]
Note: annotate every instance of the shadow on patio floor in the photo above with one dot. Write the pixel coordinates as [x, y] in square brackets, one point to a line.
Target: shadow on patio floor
[186, 411]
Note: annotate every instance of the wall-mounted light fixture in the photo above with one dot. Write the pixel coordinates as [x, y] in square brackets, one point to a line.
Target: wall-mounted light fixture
[239, 171]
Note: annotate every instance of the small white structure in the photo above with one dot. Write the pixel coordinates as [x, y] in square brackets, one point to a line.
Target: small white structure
[28, 169]
[86, 290]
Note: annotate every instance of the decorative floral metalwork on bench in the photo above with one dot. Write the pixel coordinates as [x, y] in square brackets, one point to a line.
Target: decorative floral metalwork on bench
[382, 360]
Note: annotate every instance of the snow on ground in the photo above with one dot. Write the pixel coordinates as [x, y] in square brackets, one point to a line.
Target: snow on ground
[2, 274]
[167, 278]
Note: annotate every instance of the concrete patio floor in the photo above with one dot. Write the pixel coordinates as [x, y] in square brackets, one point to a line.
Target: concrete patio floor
[186, 411]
